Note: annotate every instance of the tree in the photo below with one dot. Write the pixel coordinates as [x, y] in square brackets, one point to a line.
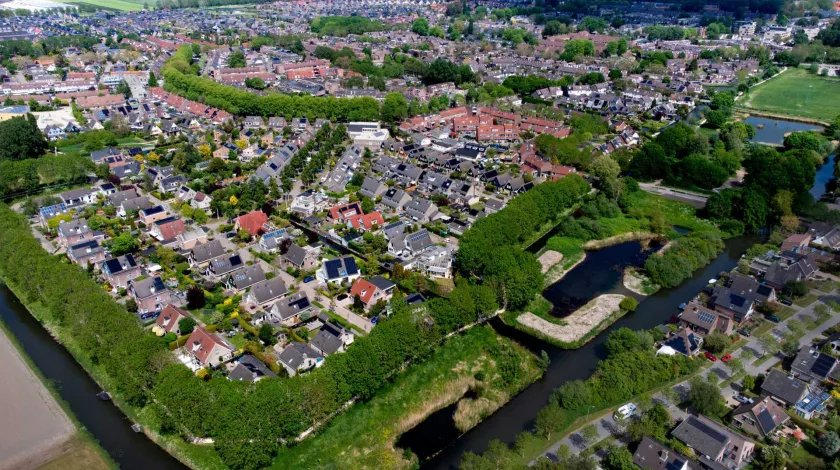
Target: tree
[186, 325]
[768, 343]
[420, 26]
[606, 170]
[266, 334]
[256, 83]
[590, 434]
[705, 397]
[735, 365]
[123, 244]
[619, 458]
[716, 342]
[771, 458]
[549, 418]
[394, 108]
[195, 297]
[152, 80]
[123, 89]
[236, 59]
[131, 306]
[829, 444]
[21, 139]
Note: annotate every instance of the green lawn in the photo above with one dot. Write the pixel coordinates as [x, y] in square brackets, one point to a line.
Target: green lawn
[365, 435]
[797, 92]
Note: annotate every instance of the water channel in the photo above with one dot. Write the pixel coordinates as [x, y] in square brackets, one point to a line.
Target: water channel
[105, 421]
[772, 131]
[518, 415]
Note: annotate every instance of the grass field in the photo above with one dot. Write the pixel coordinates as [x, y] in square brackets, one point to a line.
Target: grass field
[116, 5]
[364, 436]
[796, 92]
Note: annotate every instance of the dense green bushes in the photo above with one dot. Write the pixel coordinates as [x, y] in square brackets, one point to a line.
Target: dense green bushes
[491, 248]
[30, 174]
[682, 258]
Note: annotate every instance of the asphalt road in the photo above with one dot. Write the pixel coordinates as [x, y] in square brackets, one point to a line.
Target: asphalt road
[696, 200]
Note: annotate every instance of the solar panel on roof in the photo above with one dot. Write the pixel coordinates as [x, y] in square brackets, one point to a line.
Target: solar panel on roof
[158, 283]
[332, 268]
[706, 317]
[766, 420]
[350, 264]
[822, 366]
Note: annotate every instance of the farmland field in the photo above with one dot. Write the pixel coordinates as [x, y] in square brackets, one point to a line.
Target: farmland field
[797, 92]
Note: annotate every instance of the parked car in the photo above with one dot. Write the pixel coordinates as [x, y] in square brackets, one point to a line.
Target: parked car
[230, 234]
[625, 411]
[787, 301]
[744, 332]
[308, 279]
[726, 358]
[710, 356]
[742, 399]
[772, 318]
[374, 320]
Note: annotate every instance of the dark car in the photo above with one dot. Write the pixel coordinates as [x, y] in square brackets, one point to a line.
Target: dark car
[787, 301]
[744, 332]
[230, 234]
[772, 318]
[308, 279]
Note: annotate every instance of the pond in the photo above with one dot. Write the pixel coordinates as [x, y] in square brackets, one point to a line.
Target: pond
[772, 131]
[824, 175]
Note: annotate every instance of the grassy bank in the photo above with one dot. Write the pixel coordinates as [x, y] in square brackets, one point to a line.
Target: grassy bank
[365, 435]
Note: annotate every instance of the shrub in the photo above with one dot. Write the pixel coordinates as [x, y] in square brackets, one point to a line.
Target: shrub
[629, 304]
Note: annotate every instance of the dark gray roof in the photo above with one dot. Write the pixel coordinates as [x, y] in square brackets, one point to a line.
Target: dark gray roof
[295, 353]
[702, 436]
[295, 254]
[382, 283]
[207, 251]
[786, 388]
[117, 265]
[247, 276]
[291, 306]
[148, 287]
[250, 369]
[651, 455]
[269, 290]
[328, 338]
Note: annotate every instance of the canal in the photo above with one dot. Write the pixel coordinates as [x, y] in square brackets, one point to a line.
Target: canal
[519, 414]
[102, 419]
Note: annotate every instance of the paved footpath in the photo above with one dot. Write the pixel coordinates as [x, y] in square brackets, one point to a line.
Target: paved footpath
[607, 426]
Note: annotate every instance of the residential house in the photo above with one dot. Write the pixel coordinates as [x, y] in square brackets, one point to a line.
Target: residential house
[169, 320]
[372, 188]
[135, 205]
[303, 258]
[372, 291]
[338, 270]
[651, 455]
[341, 214]
[152, 214]
[249, 369]
[290, 311]
[207, 349]
[704, 320]
[300, 357]
[270, 241]
[812, 366]
[331, 338]
[714, 444]
[796, 267]
[74, 232]
[120, 271]
[222, 265]
[252, 222]
[367, 222]
[395, 198]
[191, 238]
[86, 252]
[253, 122]
[408, 244]
[202, 254]
[421, 210]
[734, 305]
[263, 293]
[78, 197]
[151, 294]
[244, 278]
[116, 199]
[759, 418]
[684, 342]
[168, 229]
[171, 184]
[434, 262]
[783, 387]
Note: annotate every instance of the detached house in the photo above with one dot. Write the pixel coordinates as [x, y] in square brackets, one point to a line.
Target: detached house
[338, 270]
[252, 222]
[223, 265]
[302, 258]
[151, 294]
[244, 278]
[343, 213]
[421, 210]
[152, 214]
[395, 198]
[331, 339]
[372, 291]
[207, 349]
[120, 271]
[169, 318]
[201, 255]
[760, 418]
[76, 231]
[290, 311]
[168, 229]
[263, 293]
[300, 357]
[714, 444]
[86, 252]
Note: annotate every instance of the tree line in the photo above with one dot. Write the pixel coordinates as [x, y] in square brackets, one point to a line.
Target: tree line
[491, 248]
[246, 421]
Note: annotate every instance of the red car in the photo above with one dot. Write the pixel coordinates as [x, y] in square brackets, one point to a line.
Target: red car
[726, 358]
[710, 356]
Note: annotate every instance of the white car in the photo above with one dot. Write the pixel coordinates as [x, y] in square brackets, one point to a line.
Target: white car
[625, 411]
[742, 399]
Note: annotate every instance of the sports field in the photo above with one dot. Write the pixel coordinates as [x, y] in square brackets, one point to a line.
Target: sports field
[796, 92]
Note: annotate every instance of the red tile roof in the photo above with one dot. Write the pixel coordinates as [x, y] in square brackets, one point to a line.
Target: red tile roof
[364, 289]
[169, 318]
[201, 344]
[252, 221]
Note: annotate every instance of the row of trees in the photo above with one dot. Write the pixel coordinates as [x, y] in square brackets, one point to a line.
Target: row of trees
[26, 176]
[491, 249]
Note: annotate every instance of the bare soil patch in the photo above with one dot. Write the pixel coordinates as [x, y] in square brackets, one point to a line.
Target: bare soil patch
[578, 324]
[549, 259]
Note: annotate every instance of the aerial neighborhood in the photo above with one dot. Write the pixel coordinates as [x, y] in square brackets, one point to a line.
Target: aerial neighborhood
[344, 233]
